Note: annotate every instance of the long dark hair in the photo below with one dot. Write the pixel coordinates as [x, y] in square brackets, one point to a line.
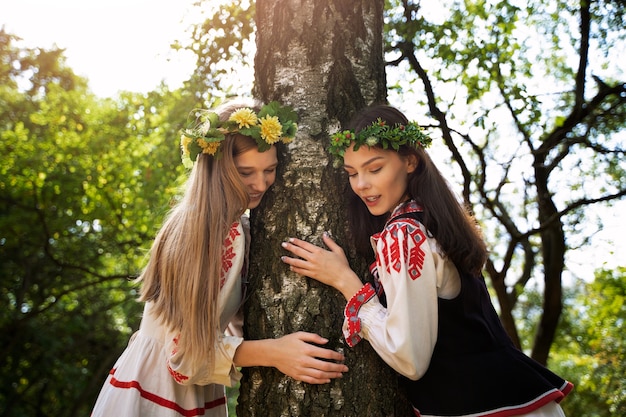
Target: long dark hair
[445, 218]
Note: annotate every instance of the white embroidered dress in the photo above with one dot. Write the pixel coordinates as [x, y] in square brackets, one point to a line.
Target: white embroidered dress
[152, 378]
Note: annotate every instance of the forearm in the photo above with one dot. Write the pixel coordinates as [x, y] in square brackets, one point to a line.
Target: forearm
[255, 353]
[405, 341]
[297, 355]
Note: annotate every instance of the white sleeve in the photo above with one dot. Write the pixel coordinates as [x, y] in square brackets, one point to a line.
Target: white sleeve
[185, 372]
[405, 332]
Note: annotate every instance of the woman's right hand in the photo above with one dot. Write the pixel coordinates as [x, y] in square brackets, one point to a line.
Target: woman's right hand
[329, 267]
[298, 358]
[295, 355]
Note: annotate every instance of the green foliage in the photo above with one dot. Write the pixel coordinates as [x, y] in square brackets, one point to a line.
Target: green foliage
[591, 351]
[84, 184]
[523, 95]
[222, 42]
[590, 348]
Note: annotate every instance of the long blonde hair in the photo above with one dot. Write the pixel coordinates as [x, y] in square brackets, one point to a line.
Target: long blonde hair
[183, 272]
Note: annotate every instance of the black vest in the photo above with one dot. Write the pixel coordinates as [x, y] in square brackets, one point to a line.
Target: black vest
[475, 368]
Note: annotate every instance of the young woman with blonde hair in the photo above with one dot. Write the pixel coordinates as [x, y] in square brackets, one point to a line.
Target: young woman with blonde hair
[190, 343]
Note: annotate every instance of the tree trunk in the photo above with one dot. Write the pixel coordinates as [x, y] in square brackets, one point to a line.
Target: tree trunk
[553, 255]
[325, 59]
[504, 302]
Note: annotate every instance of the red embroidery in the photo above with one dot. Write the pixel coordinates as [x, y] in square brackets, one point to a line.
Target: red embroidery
[408, 250]
[175, 350]
[352, 313]
[377, 285]
[394, 255]
[227, 263]
[410, 207]
[178, 377]
[416, 253]
[233, 231]
[229, 252]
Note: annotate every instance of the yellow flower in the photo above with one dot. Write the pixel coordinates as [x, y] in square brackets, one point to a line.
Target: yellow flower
[244, 117]
[209, 147]
[184, 143]
[270, 129]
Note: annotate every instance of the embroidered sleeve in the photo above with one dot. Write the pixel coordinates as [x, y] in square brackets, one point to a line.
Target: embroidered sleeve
[404, 332]
[178, 377]
[353, 328]
[186, 373]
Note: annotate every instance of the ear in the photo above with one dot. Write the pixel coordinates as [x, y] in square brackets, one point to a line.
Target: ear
[412, 162]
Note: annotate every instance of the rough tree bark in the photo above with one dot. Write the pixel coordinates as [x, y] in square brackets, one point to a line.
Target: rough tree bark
[325, 59]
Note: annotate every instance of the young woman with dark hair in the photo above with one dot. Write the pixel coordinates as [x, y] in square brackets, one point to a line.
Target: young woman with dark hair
[428, 315]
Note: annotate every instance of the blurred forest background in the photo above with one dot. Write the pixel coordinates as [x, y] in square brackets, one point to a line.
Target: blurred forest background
[526, 99]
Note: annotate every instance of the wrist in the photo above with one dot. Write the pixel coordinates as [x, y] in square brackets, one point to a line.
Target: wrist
[254, 353]
[350, 286]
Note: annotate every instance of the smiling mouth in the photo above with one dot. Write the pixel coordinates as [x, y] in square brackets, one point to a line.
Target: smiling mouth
[371, 199]
[255, 196]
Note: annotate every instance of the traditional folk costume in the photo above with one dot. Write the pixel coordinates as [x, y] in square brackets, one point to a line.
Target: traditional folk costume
[153, 378]
[438, 328]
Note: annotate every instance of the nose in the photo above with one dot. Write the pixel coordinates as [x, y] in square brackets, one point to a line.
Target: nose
[360, 182]
[260, 183]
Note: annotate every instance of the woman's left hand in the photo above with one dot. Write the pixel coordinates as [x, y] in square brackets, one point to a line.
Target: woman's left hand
[329, 267]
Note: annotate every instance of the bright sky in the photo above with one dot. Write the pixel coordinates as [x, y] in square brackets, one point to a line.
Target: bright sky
[116, 44]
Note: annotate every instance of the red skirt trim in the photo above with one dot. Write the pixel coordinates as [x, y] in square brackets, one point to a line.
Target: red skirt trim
[164, 402]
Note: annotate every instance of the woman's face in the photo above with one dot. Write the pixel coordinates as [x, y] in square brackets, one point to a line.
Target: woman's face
[379, 177]
[257, 171]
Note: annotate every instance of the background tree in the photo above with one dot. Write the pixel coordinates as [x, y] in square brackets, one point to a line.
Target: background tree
[222, 41]
[514, 92]
[592, 347]
[521, 96]
[83, 185]
[595, 348]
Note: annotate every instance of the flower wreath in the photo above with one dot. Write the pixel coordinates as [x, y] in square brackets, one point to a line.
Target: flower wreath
[379, 133]
[274, 123]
